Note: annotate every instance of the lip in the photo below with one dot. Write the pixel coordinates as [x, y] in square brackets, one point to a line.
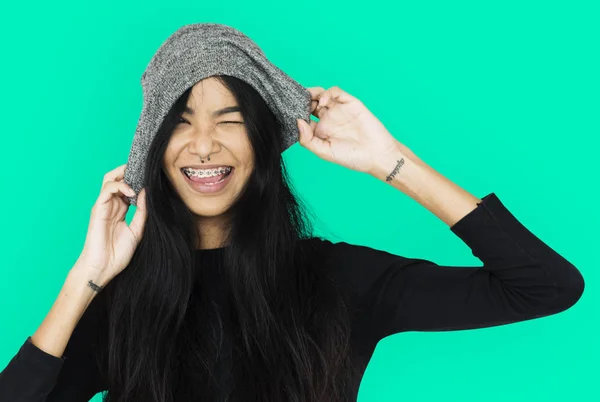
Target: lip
[205, 166]
[208, 188]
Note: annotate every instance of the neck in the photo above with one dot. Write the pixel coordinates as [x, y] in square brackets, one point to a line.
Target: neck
[211, 233]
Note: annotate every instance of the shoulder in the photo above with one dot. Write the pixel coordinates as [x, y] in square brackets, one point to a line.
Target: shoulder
[349, 254]
[357, 267]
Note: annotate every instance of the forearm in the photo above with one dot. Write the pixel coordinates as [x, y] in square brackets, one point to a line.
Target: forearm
[406, 172]
[75, 296]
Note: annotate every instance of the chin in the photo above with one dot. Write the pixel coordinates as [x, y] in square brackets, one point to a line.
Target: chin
[207, 209]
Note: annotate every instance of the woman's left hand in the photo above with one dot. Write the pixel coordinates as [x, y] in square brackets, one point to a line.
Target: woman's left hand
[347, 132]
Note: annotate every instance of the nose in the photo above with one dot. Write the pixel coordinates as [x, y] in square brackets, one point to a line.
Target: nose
[203, 142]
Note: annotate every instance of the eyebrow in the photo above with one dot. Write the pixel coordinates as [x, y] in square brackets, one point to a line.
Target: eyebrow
[216, 113]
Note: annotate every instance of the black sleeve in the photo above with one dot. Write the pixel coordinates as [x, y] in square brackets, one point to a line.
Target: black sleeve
[34, 375]
[522, 278]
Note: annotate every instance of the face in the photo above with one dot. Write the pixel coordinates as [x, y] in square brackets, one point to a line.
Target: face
[203, 130]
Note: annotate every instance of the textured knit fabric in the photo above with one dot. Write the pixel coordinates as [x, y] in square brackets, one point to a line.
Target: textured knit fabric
[198, 51]
[521, 278]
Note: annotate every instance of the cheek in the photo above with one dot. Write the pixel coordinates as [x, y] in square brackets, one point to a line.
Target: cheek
[170, 150]
[245, 152]
[169, 164]
[167, 160]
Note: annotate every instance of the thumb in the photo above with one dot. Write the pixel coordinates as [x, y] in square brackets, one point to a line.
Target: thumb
[139, 218]
[310, 141]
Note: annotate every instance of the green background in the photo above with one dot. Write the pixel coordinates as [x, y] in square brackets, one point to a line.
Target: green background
[498, 96]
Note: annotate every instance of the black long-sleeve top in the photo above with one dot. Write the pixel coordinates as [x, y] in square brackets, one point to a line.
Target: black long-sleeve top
[521, 278]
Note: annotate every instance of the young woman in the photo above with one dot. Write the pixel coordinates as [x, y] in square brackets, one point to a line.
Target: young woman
[218, 291]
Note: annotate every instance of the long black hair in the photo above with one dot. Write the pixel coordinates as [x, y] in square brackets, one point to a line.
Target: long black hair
[290, 325]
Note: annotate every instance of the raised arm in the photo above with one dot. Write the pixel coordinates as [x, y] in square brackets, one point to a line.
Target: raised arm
[521, 277]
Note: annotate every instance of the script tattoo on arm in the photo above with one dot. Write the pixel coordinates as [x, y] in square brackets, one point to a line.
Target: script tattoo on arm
[391, 176]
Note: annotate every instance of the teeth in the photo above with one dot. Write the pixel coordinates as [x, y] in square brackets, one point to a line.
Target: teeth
[206, 172]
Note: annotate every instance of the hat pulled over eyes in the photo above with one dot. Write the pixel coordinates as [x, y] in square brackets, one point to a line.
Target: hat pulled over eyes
[198, 51]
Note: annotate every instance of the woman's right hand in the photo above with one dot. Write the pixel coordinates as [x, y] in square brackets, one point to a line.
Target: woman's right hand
[110, 242]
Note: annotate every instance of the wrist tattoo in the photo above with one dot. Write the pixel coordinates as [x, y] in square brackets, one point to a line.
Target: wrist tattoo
[94, 286]
[391, 176]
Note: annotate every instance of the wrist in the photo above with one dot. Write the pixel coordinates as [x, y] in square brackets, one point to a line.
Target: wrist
[90, 280]
[398, 168]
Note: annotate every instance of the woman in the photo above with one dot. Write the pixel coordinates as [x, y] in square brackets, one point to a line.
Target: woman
[220, 291]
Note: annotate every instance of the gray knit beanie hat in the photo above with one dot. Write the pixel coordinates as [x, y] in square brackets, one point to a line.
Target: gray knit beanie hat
[197, 51]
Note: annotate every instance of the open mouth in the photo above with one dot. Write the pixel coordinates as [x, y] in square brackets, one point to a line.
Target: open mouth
[212, 179]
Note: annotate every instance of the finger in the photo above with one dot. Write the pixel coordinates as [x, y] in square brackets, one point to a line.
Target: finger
[114, 175]
[113, 187]
[334, 94]
[320, 110]
[313, 143]
[315, 92]
[313, 106]
[139, 218]
[322, 103]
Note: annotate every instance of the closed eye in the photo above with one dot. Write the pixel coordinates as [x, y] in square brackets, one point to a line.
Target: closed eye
[182, 120]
